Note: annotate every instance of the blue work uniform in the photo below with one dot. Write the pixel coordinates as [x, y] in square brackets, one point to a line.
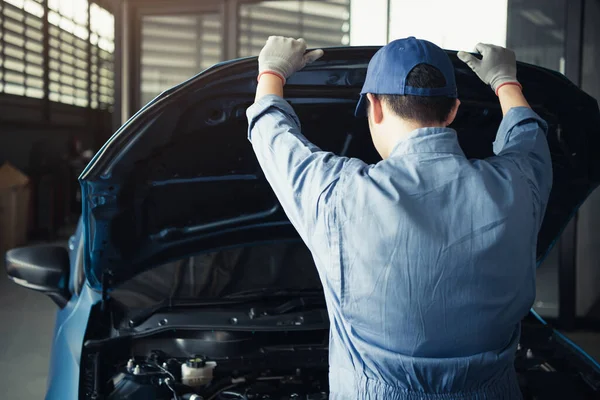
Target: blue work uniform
[427, 258]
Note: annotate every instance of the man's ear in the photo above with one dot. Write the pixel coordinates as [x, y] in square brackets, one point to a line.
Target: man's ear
[375, 108]
[452, 114]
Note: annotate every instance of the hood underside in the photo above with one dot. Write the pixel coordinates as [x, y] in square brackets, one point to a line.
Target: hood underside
[180, 176]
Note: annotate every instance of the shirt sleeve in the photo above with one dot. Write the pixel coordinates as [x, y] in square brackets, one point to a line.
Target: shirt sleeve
[521, 141]
[302, 176]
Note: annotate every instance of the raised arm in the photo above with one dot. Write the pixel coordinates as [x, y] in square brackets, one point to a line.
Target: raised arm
[521, 139]
[302, 176]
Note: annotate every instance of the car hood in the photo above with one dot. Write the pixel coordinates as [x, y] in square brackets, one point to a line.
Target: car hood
[180, 176]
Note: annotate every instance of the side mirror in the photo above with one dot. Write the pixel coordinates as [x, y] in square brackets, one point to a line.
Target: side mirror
[44, 268]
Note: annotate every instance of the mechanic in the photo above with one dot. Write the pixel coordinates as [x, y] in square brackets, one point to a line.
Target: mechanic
[427, 258]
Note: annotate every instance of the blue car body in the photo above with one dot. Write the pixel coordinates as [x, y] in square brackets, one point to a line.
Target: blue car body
[71, 322]
[100, 261]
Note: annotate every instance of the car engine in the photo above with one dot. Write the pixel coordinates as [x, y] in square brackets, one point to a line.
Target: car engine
[162, 378]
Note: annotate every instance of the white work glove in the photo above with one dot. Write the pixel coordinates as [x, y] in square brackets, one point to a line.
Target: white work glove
[497, 67]
[284, 56]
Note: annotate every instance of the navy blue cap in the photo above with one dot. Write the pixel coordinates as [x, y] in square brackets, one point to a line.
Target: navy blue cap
[390, 66]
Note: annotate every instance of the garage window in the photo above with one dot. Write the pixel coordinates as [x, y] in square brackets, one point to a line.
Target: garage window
[320, 23]
[177, 47]
[21, 60]
[536, 32]
[79, 61]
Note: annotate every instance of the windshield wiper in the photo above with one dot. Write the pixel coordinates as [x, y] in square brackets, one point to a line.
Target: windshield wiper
[166, 304]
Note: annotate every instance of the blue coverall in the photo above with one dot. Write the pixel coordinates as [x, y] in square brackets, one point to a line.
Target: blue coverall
[427, 258]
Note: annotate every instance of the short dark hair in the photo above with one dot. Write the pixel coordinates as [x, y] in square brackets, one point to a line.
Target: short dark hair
[423, 109]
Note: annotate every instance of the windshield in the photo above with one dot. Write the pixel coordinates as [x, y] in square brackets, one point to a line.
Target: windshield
[277, 266]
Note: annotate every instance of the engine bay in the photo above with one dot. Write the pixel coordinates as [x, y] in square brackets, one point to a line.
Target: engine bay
[157, 377]
[219, 365]
[210, 330]
[269, 372]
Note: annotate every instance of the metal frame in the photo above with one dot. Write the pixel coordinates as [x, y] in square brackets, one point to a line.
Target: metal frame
[46, 56]
[230, 30]
[388, 22]
[574, 40]
[116, 8]
[2, 40]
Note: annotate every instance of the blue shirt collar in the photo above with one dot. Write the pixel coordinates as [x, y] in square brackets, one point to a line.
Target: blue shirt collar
[428, 140]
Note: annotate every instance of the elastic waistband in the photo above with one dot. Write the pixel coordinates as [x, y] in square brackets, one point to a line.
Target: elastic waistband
[505, 387]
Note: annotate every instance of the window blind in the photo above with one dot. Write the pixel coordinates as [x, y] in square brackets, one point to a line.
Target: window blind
[80, 47]
[21, 48]
[177, 47]
[320, 23]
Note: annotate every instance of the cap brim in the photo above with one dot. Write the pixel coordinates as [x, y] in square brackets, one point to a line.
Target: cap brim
[361, 107]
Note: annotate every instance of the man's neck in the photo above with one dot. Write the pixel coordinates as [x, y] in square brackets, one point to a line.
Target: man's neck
[400, 129]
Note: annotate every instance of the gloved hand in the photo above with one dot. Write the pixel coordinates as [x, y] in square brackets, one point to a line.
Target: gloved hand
[284, 56]
[497, 67]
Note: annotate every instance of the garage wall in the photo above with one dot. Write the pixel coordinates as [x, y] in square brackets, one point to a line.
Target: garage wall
[24, 126]
[42, 149]
[56, 87]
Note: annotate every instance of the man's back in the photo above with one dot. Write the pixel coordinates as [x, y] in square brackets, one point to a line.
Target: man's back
[427, 240]
[429, 265]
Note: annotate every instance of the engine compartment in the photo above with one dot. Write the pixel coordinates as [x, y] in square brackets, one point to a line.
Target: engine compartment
[206, 327]
[286, 365]
[238, 366]
[158, 377]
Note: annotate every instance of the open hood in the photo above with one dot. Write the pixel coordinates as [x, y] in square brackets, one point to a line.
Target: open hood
[180, 176]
